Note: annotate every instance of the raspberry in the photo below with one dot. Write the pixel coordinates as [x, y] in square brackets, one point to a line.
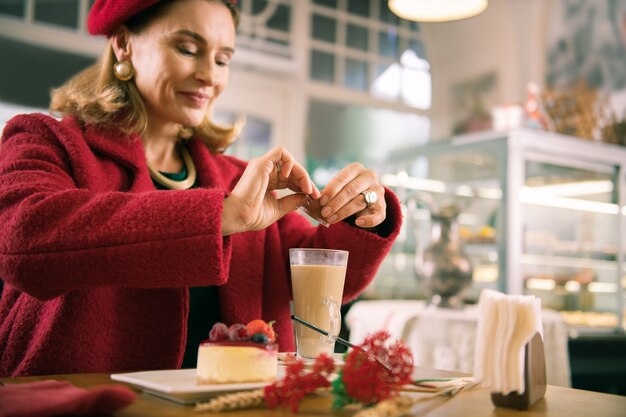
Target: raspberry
[259, 326]
[218, 332]
[238, 333]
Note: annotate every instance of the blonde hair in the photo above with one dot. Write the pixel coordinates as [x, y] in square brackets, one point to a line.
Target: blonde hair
[96, 97]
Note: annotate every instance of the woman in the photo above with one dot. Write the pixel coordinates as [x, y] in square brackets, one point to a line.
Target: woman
[125, 233]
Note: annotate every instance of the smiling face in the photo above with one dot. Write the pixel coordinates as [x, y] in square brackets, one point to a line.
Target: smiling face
[181, 61]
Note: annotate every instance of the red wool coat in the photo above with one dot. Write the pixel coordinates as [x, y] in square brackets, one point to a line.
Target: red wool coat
[96, 262]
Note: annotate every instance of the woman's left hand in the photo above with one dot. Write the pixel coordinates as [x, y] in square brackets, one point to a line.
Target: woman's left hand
[346, 193]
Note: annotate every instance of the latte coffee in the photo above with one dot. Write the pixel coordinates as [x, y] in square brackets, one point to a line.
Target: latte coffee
[317, 281]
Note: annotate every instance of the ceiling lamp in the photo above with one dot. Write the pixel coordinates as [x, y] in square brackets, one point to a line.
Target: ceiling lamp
[437, 10]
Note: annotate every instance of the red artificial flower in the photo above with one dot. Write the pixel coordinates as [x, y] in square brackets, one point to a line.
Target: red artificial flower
[366, 380]
[298, 382]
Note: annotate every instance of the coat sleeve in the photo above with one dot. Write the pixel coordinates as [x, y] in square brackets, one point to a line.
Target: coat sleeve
[56, 237]
[367, 249]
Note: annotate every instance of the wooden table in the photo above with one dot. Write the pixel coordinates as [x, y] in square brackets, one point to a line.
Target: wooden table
[558, 401]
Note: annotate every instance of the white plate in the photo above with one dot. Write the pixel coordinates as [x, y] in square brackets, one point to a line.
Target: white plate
[337, 357]
[180, 385]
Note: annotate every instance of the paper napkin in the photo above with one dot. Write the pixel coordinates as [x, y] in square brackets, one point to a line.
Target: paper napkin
[506, 324]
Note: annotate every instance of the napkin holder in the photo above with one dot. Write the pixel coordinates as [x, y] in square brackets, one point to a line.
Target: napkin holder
[534, 379]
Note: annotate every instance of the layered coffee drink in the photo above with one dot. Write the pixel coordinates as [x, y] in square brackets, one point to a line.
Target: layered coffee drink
[317, 281]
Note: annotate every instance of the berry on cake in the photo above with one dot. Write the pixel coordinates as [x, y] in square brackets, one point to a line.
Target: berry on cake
[239, 353]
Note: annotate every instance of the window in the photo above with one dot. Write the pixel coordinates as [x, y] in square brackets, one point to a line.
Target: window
[266, 26]
[61, 12]
[356, 74]
[324, 28]
[359, 7]
[408, 80]
[254, 140]
[13, 7]
[322, 66]
[339, 134]
[357, 37]
[370, 50]
[328, 3]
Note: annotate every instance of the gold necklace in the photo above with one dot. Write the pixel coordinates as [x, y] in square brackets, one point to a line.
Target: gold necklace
[172, 184]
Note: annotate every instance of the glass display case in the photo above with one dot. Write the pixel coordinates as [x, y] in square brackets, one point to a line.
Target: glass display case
[541, 213]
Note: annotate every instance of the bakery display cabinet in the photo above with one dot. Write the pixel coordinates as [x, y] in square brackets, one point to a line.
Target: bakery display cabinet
[540, 213]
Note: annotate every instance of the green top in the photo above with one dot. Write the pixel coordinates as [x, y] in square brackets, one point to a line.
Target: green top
[203, 301]
[175, 176]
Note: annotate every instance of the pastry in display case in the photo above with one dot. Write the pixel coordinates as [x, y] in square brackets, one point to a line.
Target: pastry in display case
[544, 214]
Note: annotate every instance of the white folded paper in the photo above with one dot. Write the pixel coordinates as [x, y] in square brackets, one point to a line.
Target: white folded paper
[506, 324]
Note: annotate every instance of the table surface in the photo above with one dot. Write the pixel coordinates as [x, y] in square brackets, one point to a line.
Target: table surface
[559, 401]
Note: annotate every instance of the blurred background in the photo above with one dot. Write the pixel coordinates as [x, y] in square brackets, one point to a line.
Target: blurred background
[502, 134]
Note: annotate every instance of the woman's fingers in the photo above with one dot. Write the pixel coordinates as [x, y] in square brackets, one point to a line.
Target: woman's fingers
[257, 206]
[375, 213]
[299, 181]
[291, 202]
[290, 174]
[338, 183]
[254, 204]
[254, 181]
[350, 196]
[371, 220]
[344, 197]
[343, 193]
[358, 205]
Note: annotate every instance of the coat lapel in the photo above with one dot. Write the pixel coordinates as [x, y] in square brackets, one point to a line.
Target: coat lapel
[240, 297]
[125, 149]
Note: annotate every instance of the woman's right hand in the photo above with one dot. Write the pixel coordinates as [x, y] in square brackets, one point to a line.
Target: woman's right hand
[252, 204]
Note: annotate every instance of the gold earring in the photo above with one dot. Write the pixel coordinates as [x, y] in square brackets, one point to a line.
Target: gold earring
[123, 70]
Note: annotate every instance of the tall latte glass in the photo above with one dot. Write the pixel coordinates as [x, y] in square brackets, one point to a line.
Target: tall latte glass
[317, 277]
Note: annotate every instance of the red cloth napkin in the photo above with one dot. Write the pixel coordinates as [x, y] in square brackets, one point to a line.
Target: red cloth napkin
[53, 398]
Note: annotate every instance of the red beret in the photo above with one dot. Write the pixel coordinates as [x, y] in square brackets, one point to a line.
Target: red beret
[106, 15]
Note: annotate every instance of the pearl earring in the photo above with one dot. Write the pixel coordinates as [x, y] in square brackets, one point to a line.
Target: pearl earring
[123, 70]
